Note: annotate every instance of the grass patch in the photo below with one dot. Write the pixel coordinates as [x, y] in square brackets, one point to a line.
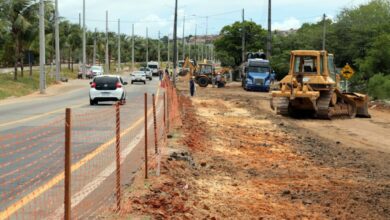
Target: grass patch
[26, 85]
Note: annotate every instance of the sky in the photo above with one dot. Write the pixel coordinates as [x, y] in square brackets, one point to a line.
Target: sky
[200, 15]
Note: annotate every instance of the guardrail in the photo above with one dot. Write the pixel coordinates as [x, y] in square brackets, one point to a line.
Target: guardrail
[77, 165]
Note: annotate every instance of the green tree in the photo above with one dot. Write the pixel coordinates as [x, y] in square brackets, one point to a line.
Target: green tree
[17, 14]
[229, 45]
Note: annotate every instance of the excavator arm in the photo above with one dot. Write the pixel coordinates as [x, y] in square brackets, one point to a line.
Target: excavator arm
[188, 64]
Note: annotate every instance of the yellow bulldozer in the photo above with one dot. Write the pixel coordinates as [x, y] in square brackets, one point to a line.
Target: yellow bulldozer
[312, 88]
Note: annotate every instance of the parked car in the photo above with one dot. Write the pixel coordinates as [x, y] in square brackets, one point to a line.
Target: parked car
[87, 73]
[96, 71]
[107, 88]
[148, 72]
[138, 76]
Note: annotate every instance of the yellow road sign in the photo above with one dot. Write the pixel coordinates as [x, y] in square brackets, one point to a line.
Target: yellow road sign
[347, 71]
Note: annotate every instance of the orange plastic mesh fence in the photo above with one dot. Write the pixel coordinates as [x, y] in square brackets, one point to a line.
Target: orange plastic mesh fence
[32, 159]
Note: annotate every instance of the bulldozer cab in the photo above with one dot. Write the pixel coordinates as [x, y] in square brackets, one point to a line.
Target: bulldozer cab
[308, 64]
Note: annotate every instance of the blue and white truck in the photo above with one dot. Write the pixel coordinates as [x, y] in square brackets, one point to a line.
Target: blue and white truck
[256, 73]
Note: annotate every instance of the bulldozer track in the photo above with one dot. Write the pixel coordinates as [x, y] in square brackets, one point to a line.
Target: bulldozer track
[282, 104]
[343, 108]
[323, 105]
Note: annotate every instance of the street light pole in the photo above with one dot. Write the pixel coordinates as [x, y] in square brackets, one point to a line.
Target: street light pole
[42, 55]
[183, 41]
[147, 47]
[57, 43]
[84, 43]
[168, 60]
[269, 41]
[158, 48]
[94, 49]
[132, 47]
[119, 45]
[175, 45]
[243, 35]
[324, 33]
[107, 61]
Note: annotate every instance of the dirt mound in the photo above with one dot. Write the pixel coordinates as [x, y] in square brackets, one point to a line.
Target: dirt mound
[237, 161]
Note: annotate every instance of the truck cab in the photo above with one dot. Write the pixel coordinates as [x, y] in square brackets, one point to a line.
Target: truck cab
[154, 67]
[256, 74]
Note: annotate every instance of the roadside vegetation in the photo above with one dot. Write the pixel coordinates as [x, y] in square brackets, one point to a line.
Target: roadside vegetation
[359, 36]
[26, 85]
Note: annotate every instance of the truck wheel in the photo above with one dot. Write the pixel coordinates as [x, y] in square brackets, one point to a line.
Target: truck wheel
[203, 82]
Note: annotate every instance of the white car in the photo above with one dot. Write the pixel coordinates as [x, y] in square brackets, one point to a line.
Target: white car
[148, 72]
[107, 88]
[96, 71]
[138, 76]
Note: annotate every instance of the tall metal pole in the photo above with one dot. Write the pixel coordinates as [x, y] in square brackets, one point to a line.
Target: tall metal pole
[107, 61]
[147, 47]
[84, 43]
[80, 20]
[94, 49]
[132, 47]
[269, 41]
[183, 40]
[57, 42]
[158, 49]
[324, 34]
[243, 35]
[168, 60]
[196, 51]
[42, 55]
[189, 51]
[175, 45]
[119, 45]
[205, 41]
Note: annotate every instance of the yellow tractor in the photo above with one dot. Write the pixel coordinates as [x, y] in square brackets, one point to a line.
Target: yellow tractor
[312, 88]
[203, 72]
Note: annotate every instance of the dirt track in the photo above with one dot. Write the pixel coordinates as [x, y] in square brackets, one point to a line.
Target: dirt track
[233, 158]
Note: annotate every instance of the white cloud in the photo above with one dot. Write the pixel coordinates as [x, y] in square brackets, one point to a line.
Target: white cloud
[158, 14]
[289, 23]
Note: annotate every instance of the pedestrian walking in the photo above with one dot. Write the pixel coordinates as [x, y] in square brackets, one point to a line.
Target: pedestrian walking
[192, 86]
[213, 79]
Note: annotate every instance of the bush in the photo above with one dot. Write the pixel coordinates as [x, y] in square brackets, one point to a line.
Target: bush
[379, 86]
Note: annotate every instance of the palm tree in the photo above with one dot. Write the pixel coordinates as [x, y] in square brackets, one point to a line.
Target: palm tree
[17, 14]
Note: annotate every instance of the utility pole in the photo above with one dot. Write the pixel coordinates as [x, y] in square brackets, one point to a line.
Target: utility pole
[183, 41]
[205, 39]
[94, 49]
[324, 33]
[195, 49]
[269, 41]
[119, 45]
[132, 47]
[243, 35]
[158, 49]
[189, 51]
[42, 75]
[84, 43]
[147, 47]
[168, 52]
[107, 61]
[175, 45]
[57, 30]
[80, 20]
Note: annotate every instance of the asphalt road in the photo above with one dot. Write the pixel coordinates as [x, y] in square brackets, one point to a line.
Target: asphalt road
[32, 136]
